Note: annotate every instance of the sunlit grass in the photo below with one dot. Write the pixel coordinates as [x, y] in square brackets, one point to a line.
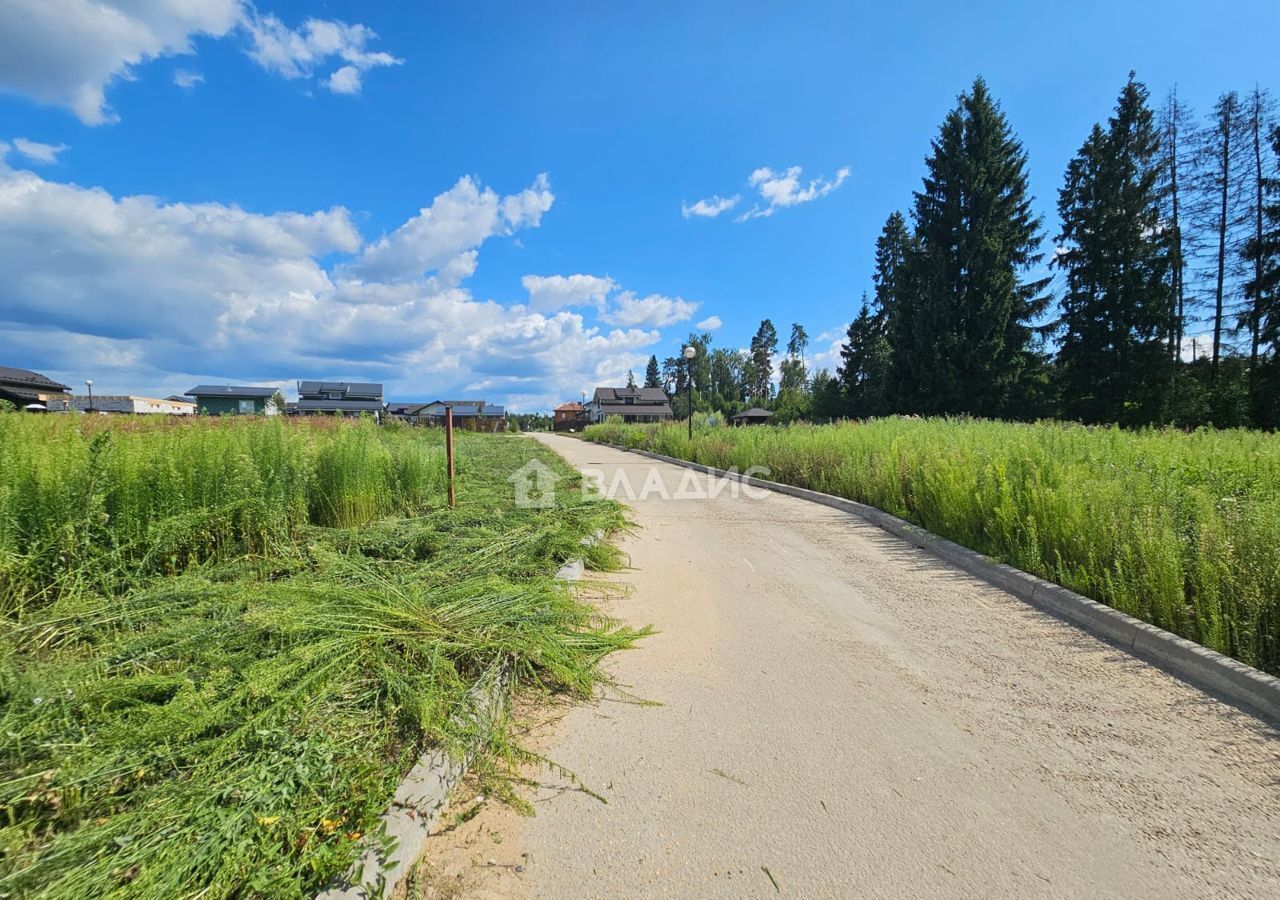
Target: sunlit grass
[1179, 529]
[207, 688]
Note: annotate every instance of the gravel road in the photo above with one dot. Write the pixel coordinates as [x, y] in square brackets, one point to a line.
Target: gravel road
[843, 715]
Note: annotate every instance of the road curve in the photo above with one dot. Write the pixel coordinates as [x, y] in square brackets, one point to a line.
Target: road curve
[861, 720]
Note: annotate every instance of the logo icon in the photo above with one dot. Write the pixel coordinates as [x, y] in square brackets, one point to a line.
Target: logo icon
[535, 485]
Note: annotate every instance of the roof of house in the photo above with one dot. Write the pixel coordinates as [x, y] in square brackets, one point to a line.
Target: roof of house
[406, 409]
[637, 395]
[305, 404]
[29, 379]
[353, 389]
[230, 390]
[575, 406]
[754, 412]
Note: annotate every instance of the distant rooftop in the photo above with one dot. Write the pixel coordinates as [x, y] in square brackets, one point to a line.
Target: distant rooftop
[230, 390]
[28, 378]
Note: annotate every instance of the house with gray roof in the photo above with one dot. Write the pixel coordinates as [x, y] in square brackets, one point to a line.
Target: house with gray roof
[341, 398]
[638, 404]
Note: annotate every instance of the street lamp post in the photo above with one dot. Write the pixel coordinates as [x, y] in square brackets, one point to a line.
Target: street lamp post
[88, 382]
[689, 353]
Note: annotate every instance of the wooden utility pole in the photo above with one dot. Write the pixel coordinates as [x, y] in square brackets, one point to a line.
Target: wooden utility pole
[448, 451]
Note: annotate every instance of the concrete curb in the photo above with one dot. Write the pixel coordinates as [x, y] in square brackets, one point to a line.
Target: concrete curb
[1244, 686]
[424, 792]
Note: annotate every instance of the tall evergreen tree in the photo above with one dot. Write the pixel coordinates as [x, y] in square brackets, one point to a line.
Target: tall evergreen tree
[866, 359]
[759, 368]
[631, 379]
[652, 374]
[1113, 361]
[975, 308]
[795, 380]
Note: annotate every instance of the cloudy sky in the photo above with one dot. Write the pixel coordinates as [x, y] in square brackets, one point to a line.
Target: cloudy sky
[508, 200]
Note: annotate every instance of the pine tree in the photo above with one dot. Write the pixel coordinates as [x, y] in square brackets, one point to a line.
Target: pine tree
[652, 374]
[973, 312]
[759, 369]
[631, 379]
[1113, 361]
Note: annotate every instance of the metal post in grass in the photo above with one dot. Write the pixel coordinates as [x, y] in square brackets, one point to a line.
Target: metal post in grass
[448, 451]
[689, 353]
[88, 382]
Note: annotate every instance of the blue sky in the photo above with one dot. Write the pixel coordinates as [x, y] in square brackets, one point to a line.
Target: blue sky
[490, 199]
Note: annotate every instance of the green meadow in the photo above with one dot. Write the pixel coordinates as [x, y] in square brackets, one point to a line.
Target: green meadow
[1178, 529]
[224, 641]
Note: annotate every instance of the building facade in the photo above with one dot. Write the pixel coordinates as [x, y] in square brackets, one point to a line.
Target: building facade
[640, 404]
[233, 400]
[339, 398]
[569, 417]
[130, 405]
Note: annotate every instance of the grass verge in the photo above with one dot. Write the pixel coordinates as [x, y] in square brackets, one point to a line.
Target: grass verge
[1177, 529]
[225, 642]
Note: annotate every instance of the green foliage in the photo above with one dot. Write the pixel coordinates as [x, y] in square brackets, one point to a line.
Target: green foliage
[1179, 529]
[207, 690]
[1113, 363]
[976, 238]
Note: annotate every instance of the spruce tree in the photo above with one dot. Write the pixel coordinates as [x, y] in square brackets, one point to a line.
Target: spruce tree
[865, 356]
[652, 374]
[974, 309]
[1113, 361]
[1175, 152]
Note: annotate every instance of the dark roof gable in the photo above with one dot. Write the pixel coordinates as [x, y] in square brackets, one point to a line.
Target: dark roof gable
[27, 378]
[230, 390]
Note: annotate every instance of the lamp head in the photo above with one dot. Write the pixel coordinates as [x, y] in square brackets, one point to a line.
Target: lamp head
[88, 382]
[690, 352]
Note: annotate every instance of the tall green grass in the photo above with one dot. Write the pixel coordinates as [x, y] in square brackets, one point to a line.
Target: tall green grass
[1179, 529]
[224, 643]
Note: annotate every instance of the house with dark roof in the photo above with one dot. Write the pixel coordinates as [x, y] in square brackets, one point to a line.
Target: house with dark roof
[472, 415]
[753, 416]
[341, 398]
[33, 391]
[233, 400]
[638, 404]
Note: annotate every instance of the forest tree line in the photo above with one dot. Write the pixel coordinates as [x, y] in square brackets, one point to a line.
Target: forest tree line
[1158, 304]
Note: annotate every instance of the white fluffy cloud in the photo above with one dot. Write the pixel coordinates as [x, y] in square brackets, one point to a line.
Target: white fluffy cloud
[653, 311]
[552, 292]
[710, 323]
[42, 154]
[709, 207]
[68, 52]
[446, 232]
[299, 53]
[147, 296]
[782, 189]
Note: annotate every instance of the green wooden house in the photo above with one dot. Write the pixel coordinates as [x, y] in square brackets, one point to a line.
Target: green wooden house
[233, 400]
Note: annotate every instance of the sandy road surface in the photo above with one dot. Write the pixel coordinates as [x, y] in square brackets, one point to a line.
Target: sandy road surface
[863, 720]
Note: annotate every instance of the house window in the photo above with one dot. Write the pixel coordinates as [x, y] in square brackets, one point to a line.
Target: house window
[246, 407]
[630, 401]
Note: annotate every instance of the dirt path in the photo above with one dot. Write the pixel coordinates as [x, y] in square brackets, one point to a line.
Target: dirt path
[861, 720]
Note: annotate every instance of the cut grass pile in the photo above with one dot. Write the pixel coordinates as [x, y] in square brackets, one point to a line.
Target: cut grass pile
[224, 642]
[1178, 529]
